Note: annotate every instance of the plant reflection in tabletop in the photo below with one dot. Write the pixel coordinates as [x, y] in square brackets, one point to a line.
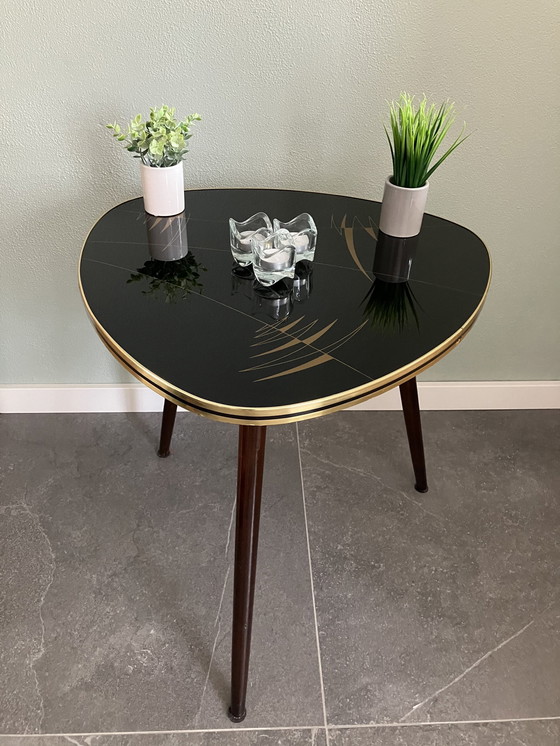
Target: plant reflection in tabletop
[391, 306]
[171, 273]
[172, 281]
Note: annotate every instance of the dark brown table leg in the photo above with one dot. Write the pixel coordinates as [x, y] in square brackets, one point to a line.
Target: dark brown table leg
[250, 464]
[167, 423]
[411, 411]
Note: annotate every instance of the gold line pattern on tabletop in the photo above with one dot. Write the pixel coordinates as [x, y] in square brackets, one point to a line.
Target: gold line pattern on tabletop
[326, 348]
[368, 228]
[305, 366]
[349, 238]
[210, 299]
[343, 340]
[291, 343]
[282, 360]
[276, 415]
[299, 411]
[124, 354]
[296, 340]
[286, 413]
[281, 330]
[324, 357]
[267, 328]
[348, 232]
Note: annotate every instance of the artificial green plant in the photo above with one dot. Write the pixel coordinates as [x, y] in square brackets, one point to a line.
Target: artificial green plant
[416, 134]
[161, 140]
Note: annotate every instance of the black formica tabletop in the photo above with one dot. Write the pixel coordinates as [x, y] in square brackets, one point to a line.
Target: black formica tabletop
[201, 332]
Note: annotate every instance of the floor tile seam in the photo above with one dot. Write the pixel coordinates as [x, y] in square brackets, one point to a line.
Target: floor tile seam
[312, 585]
[423, 724]
[87, 734]
[37, 655]
[331, 727]
[371, 475]
[480, 660]
[218, 620]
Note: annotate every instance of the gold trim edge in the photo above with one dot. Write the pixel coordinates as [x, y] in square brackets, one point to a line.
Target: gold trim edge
[288, 413]
[283, 420]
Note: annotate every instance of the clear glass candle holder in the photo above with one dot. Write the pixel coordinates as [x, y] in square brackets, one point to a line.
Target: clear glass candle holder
[303, 234]
[274, 256]
[240, 234]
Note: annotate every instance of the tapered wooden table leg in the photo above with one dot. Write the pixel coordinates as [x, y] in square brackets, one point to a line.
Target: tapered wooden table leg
[167, 423]
[411, 411]
[250, 466]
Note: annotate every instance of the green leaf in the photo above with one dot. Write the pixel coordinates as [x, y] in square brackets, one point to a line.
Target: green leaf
[160, 140]
[415, 135]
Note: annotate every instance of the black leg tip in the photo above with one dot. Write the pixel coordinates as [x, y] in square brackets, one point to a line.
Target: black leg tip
[164, 454]
[421, 487]
[236, 718]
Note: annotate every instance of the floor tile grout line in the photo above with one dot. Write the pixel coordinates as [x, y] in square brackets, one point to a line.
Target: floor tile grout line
[477, 663]
[312, 589]
[87, 734]
[546, 718]
[331, 727]
[371, 475]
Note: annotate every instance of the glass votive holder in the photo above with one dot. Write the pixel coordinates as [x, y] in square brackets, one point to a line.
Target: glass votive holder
[274, 257]
[303, 233]
[240, 234]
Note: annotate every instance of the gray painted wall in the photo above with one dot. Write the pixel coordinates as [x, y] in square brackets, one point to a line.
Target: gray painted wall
[325, 71]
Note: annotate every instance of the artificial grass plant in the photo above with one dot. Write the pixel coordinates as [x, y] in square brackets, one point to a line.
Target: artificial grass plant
[417, 134]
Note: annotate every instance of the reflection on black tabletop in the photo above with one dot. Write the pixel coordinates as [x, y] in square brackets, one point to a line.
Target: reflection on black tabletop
[273, 301]
[170, 281]
[336, 327]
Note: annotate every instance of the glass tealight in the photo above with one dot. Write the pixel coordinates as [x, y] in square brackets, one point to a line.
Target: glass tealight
[274, 256]
[303, 235]
[240, 234]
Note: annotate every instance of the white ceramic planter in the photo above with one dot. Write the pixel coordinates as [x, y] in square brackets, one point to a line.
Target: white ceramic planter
[163, 188]
[402, 210]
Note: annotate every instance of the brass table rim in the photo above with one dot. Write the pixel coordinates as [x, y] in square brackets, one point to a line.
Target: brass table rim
[288, 413]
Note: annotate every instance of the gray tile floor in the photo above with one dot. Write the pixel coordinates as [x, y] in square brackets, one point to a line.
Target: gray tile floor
[388, 616]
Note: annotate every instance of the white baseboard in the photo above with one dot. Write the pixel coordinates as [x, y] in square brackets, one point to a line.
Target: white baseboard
[450, 395]
[102, 397]
[133, 397]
